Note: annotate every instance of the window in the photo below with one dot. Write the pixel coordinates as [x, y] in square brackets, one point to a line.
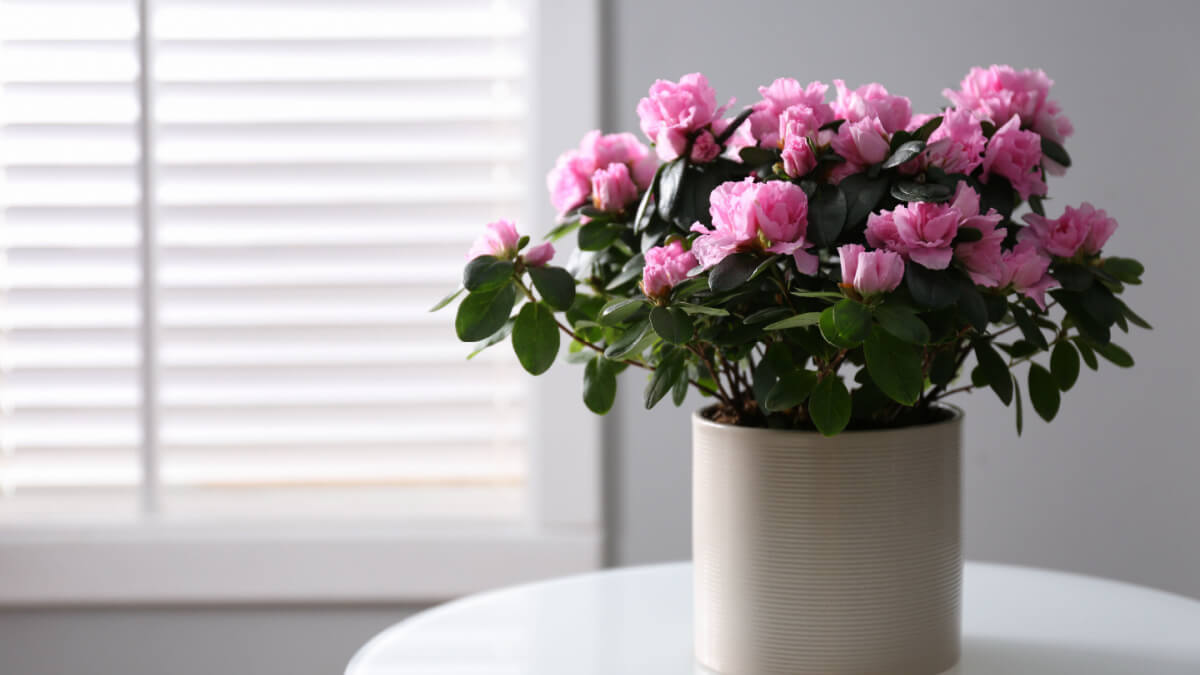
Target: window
[215, 312]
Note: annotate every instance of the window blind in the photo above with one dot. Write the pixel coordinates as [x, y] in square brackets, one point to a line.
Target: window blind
[319, 168]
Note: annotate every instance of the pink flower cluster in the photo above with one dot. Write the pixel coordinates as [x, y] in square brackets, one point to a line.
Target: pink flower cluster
[870, 272]
[746, 215]
[666, 266]
[501, 240]
[1082, 230]
[590, 172]
[957, 145]
[766, 125]
[999, 93]
[674, 112]
[1015, 154]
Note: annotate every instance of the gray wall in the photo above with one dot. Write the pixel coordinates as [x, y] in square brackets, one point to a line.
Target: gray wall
[1111, 487]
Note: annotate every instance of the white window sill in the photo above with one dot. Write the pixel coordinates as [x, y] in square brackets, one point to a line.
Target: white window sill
[160, 563]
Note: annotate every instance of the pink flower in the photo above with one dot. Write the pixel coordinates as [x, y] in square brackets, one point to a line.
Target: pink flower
[798, 126]
[956, 146]
[882, 232]
[1015, 154]
[1026, 270]
[672, 111]
[612, 188]
[926, 230]
[769, 216]
[665, 267]
[538, 255]
[500, 240]
[861, 143]
[1083, 229]
[870, 272]
[983, 259]
[764, 124]
[872, 100]
[704, 148]
[998, 93]
[570, 181]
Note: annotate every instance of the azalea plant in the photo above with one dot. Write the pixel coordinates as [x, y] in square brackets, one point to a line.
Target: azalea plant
[815, 264]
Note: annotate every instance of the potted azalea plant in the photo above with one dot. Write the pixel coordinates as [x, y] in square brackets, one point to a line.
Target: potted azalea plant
[825, 270]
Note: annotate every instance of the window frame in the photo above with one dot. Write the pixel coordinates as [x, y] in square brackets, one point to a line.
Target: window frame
[158, 560]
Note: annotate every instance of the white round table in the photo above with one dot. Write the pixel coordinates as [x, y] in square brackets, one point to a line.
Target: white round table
[637, 621]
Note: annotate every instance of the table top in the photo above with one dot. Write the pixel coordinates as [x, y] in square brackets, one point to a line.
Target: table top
[637, 621]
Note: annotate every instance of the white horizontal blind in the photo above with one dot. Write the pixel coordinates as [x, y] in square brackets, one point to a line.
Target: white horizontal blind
[320, 168]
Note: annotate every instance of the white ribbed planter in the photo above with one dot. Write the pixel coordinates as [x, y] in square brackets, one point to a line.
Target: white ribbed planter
[827, 555]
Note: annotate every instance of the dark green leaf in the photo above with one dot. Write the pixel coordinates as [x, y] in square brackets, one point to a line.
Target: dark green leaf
[1088, 325]
[926, 130]
[970, 303]
[1116, 355]
[486, 272]
[1035, 205]
[563, 229]
[484, 312]
[733, 125]
[672, 324]
[756, 156]
[827, 295]
[599, 384]
[829, 406]
[790, 390]
[630, 341]
[944, 368]
[1127, 270]
[556, 285]
[967, 235]
[689, 288]
[934, 289]
[763, 266]
[862, 196]
[767, 314]
[997, 194]
[895, 367]
[1043, 392]
[997, 306]
[995, 370]
[1055, 152]
[701, 309]
[911, 191]
[619, 310]
[852, 320]
[1064, 365]
[1020, 409]
[1072, 277]
[795, 321]
[669, 183]
[902, 154]
[732, 272]
[535, 337]
[642, 218]
[1088, 355]
[597, 235]
[1134, 318]
[903, 323]
[1028, 328]
[447, 300]
[777, 359]
[1100, 303]
[496, 337]
[630, 271]
[826, 215]
[666, 374]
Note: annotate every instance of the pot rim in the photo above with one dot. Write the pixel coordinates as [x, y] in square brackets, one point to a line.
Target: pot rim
[956, 417]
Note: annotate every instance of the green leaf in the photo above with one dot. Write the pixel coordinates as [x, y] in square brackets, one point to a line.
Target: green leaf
[970, 303]
[642, 218]
[829, 330]
[1043, 392]
[905, 152]
[1055, 152]
[911, 191]
[862, 196]
[1101, 304]
[1134, 318]
[791, 390]
[934, 289]
[599, 384]
[756, 156]
[767, 314]
[672, 324]
[1127, 270]
[447, 300]
[597, 235]
[818, 294]
[777, 359]
[629, 342]
[903, 323]
[556, 285]
[852, 320]
[1116, 355]
[895, 366]
[944, 368]
[1036, 205]
[1072, 277]
[486, 272]
[795, 321]
[829, 406]
[619, 310]
[967, 235]
[563, 229]
[826, 215]
[1064, 365]
[484, 312]
[763, 266]
[689, 288]
[535, 337]
[1020, 409]
[926, 130]
[679, 391]
[1087, 354]
[995, 370]
[1028, 328]
[630, 271]
[664, 377]
[732, 272]
[701, 309]
[997, 194]
[496, 337]
[669, 183]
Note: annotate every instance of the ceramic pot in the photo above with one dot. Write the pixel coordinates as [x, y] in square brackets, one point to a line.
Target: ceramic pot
[827, 555]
